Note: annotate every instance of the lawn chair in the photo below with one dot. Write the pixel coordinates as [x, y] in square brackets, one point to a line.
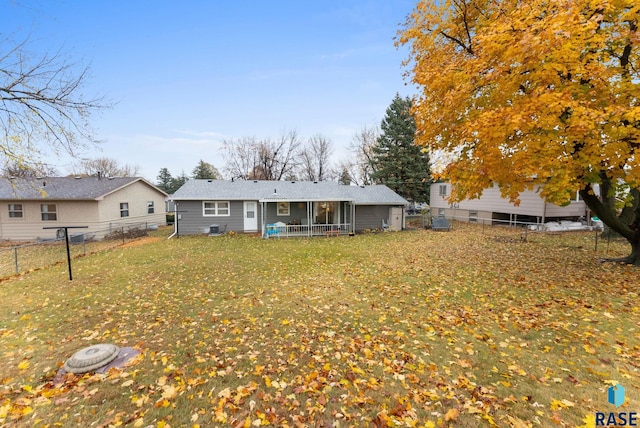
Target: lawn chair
[440, 224]
[282, 228]
[273, 231]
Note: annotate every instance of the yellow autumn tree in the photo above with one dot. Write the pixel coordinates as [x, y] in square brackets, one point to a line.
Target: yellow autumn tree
[533, 94]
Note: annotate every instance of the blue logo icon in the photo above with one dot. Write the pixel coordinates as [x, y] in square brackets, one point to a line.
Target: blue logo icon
[616, 395]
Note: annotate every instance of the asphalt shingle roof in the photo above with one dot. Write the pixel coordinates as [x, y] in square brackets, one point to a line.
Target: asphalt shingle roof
[61, 188]
[286, 191]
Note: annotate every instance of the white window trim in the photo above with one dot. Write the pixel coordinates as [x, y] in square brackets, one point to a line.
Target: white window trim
[21, 211]
[150, 207]
[215, 209]
[283, 213]
[48, 212]
[123, 210]
[442, 190]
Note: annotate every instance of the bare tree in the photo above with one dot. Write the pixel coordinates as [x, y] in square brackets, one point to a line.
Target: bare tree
[314, 159]
[252, 159]
[17, 169]
[105, 167]
[361, 166]
[241, 157]
[42, 105]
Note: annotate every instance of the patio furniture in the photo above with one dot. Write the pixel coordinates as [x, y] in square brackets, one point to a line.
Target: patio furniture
[272, 231]
[440, 224]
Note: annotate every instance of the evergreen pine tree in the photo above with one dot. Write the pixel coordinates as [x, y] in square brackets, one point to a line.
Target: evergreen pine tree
[398, 162]
[165, 181]
[205, 170]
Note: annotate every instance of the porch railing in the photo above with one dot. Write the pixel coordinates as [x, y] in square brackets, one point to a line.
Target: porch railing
[293, 230]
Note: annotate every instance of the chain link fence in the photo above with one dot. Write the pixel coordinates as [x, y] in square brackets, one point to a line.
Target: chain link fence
[17, 259]
[570, 234]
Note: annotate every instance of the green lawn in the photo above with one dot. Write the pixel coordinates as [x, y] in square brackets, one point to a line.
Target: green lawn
[461, 328]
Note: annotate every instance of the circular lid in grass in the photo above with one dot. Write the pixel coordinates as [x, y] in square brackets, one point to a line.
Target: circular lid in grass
[91, 358]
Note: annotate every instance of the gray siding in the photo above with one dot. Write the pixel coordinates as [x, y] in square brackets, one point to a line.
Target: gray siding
[370, 216]
[297, 212]
[193, 222]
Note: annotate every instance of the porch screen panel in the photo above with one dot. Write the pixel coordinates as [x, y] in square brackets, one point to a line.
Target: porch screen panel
[324, 212]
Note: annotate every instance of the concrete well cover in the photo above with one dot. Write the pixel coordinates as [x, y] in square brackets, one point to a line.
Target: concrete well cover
[91, 358]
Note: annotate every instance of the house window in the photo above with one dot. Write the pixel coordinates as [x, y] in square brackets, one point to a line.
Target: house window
[443, 190]
[215, 208]
[441, 212]
[283, 208]
[15, 211]
[124, 209]
[325, 212]
[150, 209]
[575, 197]
[48, 212]
[473, 216]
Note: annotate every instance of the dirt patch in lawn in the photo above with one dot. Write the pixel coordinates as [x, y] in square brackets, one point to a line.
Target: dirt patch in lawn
[142, 241]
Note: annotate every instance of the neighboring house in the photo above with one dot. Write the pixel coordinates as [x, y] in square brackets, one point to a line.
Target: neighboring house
[102, 204]
[491, 207]
[285, 208]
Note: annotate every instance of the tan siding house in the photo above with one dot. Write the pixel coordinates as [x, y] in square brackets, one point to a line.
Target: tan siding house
[492, 207]
[27, 206]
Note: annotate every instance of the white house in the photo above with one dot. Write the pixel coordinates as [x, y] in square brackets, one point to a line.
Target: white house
[491, 207]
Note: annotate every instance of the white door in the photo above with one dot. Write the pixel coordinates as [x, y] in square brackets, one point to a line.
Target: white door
[250, 216]
[395, 218]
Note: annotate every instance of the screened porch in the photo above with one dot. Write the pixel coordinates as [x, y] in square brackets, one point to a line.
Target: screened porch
[285, 219]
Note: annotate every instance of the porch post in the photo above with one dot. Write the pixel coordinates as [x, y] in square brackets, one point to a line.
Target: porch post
[263, 218]
[353, 217]
[309, 216]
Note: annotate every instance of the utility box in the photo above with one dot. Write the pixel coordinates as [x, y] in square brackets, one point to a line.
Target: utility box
[77, 239]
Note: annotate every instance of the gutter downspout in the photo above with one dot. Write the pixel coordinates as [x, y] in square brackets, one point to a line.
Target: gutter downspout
[175, 221]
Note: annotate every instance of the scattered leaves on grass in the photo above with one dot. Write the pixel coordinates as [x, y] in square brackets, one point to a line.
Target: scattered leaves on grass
[398, 329]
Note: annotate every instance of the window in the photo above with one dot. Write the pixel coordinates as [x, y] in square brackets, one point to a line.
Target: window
[443, 190]
[324, 212]
[215, 208]
[441, 212]
[283, 208]
[124, 209]
[15, 210]
[473, 216]
[48, 212]
[150, 209]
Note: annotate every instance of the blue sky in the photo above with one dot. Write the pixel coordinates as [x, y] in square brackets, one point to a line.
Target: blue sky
[185, 75]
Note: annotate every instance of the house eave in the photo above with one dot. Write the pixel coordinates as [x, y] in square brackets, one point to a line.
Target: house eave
[305, 200]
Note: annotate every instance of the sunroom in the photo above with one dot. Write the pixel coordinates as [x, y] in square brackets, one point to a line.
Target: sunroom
[291, 218]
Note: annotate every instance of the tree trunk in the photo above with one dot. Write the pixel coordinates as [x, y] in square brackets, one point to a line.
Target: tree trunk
[628, 229]
[634, 257]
